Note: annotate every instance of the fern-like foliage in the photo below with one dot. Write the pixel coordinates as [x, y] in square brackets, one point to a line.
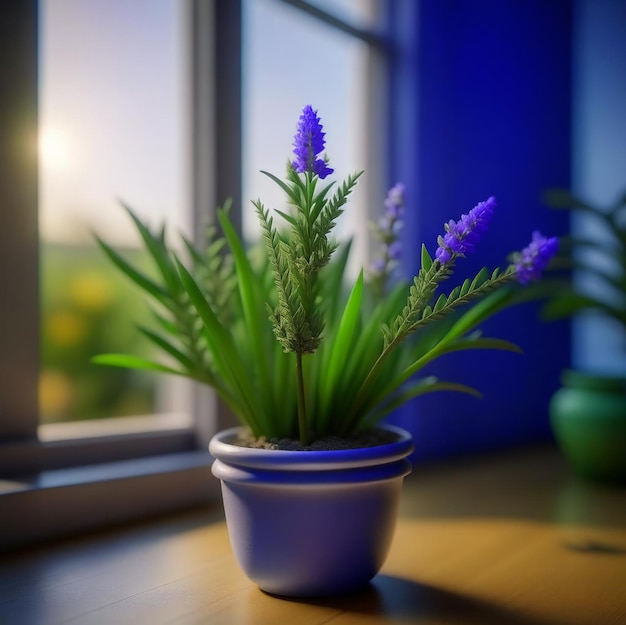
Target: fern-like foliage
[461, 295]
[294, 330]
[179, 334]
[421, 292]
[214, 269]
[299, 254]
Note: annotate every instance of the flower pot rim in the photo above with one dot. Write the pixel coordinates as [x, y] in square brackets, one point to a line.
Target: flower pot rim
[322, 460]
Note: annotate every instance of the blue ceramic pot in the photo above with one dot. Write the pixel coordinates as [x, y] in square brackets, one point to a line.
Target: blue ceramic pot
[311, 523]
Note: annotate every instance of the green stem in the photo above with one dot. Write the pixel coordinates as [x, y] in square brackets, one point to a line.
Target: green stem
[302, 420]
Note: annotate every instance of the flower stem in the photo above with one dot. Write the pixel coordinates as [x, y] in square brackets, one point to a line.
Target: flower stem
[302, 420]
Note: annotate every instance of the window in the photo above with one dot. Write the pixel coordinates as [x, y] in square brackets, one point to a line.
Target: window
[134, 470]
[102, 140]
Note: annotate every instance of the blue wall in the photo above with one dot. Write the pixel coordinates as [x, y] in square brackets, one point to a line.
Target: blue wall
[480, 106]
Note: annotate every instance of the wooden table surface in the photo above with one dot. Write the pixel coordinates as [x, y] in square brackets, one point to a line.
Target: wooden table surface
[510, 539]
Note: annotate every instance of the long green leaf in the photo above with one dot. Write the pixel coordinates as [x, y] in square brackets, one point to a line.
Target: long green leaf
[285, 187]
[169, 326]
[288, 218]
[483, 343]
[167, 347]
[422, 387]
[133, 362]
[254, 309]
[158, 251]
[139, 278]
[332, 283]
[446, 346]
[343, 340]
[319, 202]
[480, 311]
[225, 356]
[379, 395]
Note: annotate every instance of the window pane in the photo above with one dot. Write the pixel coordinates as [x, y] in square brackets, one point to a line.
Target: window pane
[290, 60]
[112, 122]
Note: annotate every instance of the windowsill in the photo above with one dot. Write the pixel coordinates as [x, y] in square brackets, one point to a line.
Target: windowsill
[102, 428]
[68, 445]
[60, 502]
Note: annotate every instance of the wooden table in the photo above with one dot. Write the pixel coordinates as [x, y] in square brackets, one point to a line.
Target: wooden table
[510, 539]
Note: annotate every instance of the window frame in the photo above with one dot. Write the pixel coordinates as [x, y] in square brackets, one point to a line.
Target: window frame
[51, 488]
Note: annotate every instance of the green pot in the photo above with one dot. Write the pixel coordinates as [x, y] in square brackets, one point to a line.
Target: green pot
[588, 416]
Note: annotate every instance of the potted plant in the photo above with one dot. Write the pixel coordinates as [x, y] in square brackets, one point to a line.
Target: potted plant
[588, 413]
[311, 365]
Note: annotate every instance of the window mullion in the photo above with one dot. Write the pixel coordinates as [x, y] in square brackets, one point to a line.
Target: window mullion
[19, 331]
[216, 136]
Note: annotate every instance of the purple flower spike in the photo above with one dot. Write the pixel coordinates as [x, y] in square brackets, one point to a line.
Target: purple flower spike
[308, 143]
[394, 251]
[533, 259]
[462, 236]
[394, 202]
[378, 266]
[387, 230]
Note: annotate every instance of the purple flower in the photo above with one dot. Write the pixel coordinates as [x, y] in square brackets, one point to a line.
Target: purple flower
[533, 259]
[394, 202]
[394, 251]
[387, 231]
[462, 236]
[308, 143]
[378, 266]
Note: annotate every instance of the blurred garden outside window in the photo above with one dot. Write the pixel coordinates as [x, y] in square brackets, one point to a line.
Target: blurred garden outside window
[103, 140]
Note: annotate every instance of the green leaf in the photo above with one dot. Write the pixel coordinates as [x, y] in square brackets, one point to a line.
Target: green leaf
[443, 347]
[480, 311]
[225, 356]
[253, 304]
[288, 218]
[283, 185]
[133, 362]
[139, 278]
[158, 251]
[454, 294]
[442, 300]
[465, 287]
[319, 202]
[169, 326]
[483, 343]
[481, 276]
[193, 251]
[421, 387]
[567, 304]
[344, 339]
[332, 282]
[167, 347]
[427, 261]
